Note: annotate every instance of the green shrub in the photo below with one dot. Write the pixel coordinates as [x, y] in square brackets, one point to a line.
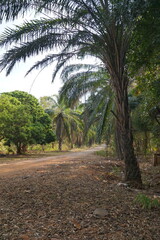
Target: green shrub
[116, 170]
[101, 153]
[146, 202]
[3, 148]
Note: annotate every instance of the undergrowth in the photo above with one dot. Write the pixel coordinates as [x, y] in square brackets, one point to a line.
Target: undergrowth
[147, 203]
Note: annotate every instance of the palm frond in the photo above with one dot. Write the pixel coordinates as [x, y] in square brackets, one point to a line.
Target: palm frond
[29, 49]
[78, 83]
[104, 118]
[31, 30]
[67, 72]
[10, 9]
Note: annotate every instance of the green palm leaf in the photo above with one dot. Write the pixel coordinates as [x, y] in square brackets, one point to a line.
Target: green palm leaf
[67, 121]
[80, 79]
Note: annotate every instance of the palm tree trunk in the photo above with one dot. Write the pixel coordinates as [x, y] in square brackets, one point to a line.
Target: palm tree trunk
[132, 171]
[71, 144]
[60, 144]
[118, 142]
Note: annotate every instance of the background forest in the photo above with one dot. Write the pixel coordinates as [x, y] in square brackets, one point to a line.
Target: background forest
[81, 115]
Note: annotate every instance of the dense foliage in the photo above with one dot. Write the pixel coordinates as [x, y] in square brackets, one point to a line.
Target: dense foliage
[23, 121]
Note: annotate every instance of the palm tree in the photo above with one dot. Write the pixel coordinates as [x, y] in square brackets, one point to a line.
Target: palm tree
[100, 28]
[80, 80]
[65, 120]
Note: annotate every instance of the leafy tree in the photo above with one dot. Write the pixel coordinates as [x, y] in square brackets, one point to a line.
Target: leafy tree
[14, 122]
[147, 114]
[31, 103]
[145, 46]
[103, 29]
[46, 102]
[23, 121]
[141, 123]
[144, 58]
[42, 131]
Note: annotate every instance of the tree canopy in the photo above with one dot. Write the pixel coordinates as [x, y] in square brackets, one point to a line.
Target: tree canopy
[23, 121]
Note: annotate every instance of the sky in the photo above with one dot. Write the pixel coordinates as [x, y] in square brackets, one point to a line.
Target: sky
[37, 84]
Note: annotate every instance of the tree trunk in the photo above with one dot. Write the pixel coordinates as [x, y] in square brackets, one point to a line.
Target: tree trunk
[60, 144]
[43, 147]
[132, 171]
[145, 142]
[79, 141]
[19, 148]
[118, 142]
[71, 144]
[23, 148]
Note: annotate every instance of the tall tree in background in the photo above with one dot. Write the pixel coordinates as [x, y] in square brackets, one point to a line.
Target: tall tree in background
[92, 80]
[66, 121]
[99, 28]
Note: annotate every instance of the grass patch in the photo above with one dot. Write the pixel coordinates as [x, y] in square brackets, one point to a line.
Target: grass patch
[147, 203]
[101, 153]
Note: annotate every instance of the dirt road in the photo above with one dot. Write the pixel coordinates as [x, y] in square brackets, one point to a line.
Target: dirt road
[55, 198]
[17, 167]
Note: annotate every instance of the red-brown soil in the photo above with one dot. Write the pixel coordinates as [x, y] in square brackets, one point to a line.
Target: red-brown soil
[54, 199]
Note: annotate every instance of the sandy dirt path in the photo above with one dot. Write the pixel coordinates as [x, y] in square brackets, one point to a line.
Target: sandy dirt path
[55, 198]
[17, 167]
